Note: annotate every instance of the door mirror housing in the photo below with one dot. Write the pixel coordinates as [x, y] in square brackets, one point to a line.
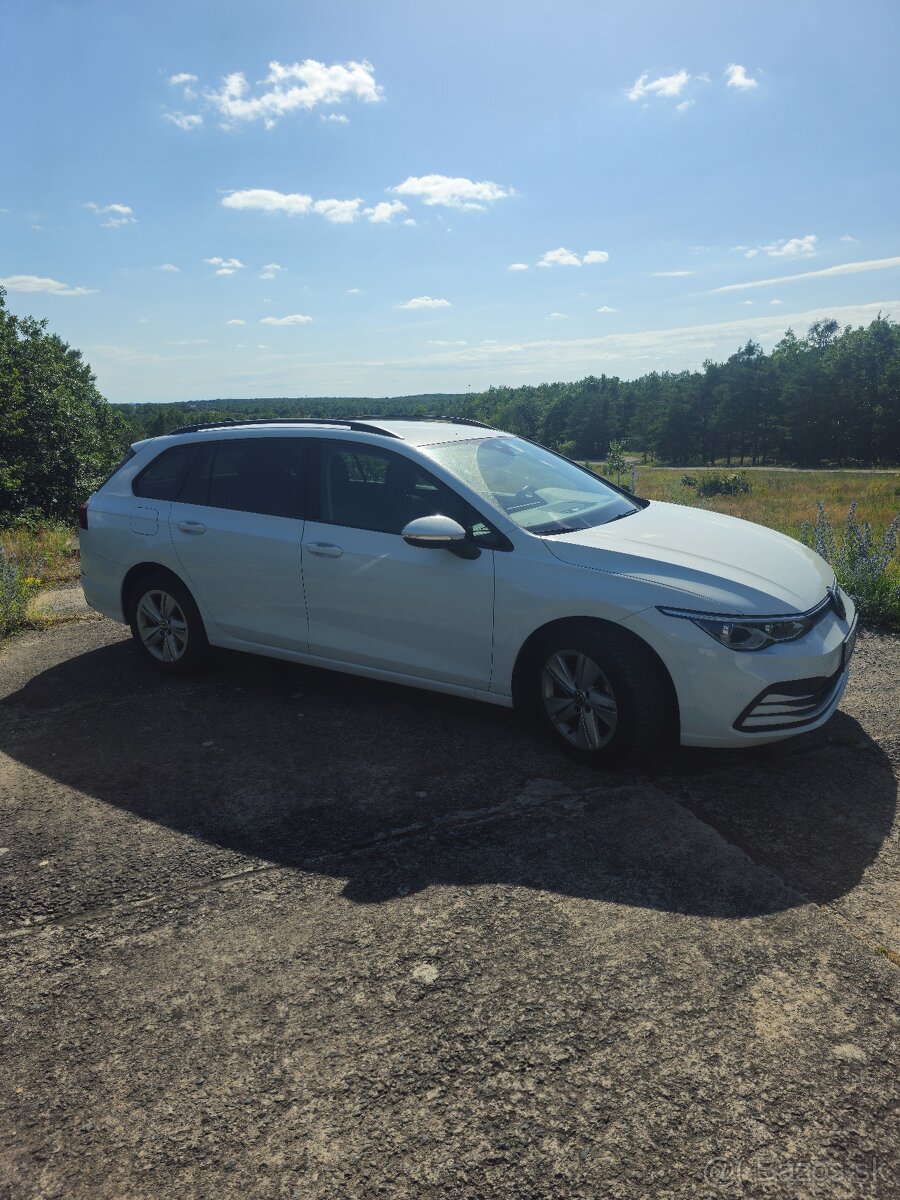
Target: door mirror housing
[439, 533]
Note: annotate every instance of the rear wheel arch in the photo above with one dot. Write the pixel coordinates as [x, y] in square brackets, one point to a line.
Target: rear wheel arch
[165, 622]
[139, 572]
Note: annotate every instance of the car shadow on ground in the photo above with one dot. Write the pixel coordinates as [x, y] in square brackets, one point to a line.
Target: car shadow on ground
[394, 789]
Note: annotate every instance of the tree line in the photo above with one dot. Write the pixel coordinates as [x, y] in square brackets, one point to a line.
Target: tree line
[828, 398]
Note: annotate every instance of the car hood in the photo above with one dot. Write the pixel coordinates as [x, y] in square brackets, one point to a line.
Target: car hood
[721, 564]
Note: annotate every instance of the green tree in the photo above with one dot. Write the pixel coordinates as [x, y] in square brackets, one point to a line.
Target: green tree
[58, 435]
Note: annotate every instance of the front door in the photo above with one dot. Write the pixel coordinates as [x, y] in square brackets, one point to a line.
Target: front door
[374, 600]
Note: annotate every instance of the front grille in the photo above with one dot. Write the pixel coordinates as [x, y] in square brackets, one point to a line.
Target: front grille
[788, 705]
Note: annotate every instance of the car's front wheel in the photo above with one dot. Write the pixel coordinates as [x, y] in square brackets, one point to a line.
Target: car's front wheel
[598, 693]
[166, 624]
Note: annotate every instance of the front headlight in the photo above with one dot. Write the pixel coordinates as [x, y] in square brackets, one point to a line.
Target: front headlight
[746, 633]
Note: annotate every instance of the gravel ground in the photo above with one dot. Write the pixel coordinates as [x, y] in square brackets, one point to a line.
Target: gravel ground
[275, 932]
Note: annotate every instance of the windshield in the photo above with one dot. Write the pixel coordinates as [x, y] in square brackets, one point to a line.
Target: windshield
[541, 492]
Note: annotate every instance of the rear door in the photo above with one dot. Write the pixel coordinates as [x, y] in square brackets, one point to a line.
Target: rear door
[374, 600]
[237, 527]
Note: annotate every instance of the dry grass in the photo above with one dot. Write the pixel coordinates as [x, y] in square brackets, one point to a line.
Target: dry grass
[49, 553]
[784, 499]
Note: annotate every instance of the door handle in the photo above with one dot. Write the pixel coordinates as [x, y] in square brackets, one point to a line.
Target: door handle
[191, 527]
[324, 549]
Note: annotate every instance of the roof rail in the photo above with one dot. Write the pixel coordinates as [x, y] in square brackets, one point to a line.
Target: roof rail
[232, 423]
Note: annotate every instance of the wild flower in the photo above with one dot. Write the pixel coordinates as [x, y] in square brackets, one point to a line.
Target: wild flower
[864, 564]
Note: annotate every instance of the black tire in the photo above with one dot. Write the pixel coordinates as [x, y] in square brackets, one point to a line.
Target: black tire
[179, 645]
[598, 693]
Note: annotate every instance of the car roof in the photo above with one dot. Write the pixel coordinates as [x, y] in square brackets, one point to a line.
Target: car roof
[414, 431]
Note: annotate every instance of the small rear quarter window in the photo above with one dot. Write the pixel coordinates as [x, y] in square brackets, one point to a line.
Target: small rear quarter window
[162, 479]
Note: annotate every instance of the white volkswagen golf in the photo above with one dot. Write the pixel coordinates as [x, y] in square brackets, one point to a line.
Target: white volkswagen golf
[452, 556]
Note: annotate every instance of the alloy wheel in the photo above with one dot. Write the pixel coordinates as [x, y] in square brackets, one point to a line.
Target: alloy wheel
[579, 700]
[162, 626]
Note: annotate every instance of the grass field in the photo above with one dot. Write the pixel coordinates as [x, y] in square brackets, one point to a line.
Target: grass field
[782, 499]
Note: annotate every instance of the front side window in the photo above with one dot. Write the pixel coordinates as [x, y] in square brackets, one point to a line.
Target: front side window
[368, 488]
[543, 493]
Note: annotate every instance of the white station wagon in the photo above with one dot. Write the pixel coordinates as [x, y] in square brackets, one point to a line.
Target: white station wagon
[452, 556]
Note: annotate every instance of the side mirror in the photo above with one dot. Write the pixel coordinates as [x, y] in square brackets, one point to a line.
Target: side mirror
[439, 533]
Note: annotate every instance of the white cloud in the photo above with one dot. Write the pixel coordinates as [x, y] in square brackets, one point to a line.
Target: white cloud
[266, 200]
[737, 77]
[236, 321]
[848, 237]
[184, 121]
[39, 283]
[561, 257]
[444, 342]
[749, 303]
[381, 213]
[338, 212]
[425, 302]
[337, 118]
[671, 274]
[792, 247]
[776, 302]
[409, 221]
[183, 78]
[225, 266]
[452, 191]
[557, 316]
[684, 105]
[354, 291]
[626, 353]
[300, 86]
[606, 308]
[293, 319]
[189, 342]
[666, 86]
[270, 271]
[517, 267]
[170, 268]
[116, 214]
[875, 264]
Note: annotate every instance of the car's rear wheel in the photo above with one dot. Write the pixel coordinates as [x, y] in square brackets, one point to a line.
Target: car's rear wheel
[598, 693]
[166, 624]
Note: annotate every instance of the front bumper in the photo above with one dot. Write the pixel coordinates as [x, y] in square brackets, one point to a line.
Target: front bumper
[726, 698]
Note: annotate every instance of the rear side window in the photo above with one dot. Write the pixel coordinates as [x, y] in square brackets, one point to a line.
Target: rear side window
[162, 479]
[259, 475]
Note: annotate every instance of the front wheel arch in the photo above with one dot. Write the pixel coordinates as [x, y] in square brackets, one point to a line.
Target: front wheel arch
[525, 661]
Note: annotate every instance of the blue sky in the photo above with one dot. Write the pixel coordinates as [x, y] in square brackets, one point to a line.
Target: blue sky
[349, 198]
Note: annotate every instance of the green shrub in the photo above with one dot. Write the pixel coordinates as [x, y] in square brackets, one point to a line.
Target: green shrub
[864, 564]
[718, 483]
[689, 481]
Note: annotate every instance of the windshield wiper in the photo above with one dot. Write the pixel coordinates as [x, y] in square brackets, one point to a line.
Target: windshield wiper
[621, 516]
